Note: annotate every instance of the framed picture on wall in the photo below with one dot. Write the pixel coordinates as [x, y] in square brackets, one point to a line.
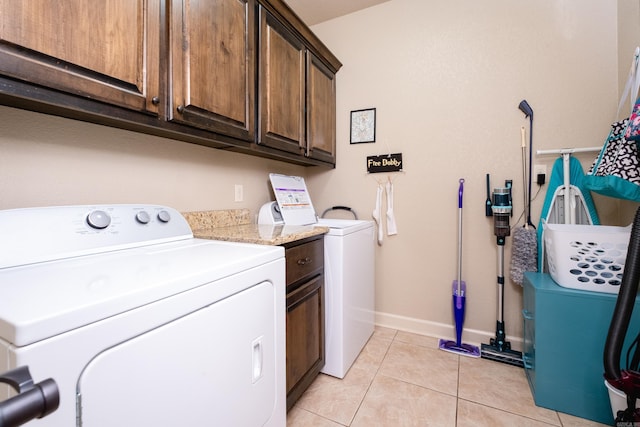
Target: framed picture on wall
[363, 126]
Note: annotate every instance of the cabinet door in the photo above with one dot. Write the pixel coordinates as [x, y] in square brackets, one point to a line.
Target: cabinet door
[106, 50]
[213, 65]
[321, 111]
[305, 336]
[282, 86]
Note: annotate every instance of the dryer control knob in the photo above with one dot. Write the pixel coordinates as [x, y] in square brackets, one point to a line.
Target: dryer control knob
[98, 219]
[143, 217]
[164, 216]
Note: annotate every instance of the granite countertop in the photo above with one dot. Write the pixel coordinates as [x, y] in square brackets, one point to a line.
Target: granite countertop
[260, 234]
[235, 226]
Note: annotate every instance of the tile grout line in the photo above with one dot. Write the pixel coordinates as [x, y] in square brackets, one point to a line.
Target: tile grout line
[457, 393]
[498, 408]
[373, 377]
[388, 340]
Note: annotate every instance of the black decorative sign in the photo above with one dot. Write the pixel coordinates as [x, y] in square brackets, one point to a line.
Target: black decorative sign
[384, 163]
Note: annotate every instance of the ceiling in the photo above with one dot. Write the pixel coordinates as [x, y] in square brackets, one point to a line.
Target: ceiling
[315, 11]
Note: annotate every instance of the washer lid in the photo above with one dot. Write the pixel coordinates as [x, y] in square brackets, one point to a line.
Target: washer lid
[341, 227]
[38, 301]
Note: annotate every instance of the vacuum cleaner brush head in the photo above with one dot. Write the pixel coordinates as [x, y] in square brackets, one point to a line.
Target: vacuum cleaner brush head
[506, 355]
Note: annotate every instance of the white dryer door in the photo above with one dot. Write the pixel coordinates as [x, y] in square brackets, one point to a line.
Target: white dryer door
[213, 367]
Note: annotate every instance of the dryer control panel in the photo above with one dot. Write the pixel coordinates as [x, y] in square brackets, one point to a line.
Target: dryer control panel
[33, 235]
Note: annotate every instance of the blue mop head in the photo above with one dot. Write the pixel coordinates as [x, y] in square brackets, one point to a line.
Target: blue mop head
[461, 350]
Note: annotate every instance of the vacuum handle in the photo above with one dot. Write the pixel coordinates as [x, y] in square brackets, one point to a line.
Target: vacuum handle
[460, 190]
[526, 109]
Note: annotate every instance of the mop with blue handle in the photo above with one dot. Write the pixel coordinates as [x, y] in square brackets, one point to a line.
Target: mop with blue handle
[459, 289]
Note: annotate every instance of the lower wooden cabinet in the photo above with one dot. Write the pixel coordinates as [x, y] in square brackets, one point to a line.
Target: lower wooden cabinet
[305, 314]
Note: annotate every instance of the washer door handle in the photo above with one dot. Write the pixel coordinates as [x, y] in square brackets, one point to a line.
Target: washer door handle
[257, 359]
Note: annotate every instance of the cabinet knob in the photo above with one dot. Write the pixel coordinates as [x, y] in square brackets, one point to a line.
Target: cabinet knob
[155, 100]
[304, 261]
[180, 108]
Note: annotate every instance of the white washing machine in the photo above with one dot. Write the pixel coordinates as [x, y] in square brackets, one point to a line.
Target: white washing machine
[349, 256]
[137, 322]
[349, 291]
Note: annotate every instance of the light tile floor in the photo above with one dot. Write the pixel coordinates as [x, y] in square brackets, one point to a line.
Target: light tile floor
[402, 379]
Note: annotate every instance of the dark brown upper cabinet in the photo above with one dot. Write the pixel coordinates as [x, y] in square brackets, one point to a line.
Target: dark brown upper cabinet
[241, 75]
[104, 50]
[297, 94]
[282, 86]
[213, 65]
[321, 111]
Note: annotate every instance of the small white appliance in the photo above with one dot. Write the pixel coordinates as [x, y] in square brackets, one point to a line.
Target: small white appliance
[139, 323]
[270, 214]
[349, 254]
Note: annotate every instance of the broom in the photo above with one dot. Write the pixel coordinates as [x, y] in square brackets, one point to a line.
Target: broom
[524, 251]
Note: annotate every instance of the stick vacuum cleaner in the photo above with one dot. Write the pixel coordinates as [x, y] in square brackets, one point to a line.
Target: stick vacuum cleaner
[499, 349]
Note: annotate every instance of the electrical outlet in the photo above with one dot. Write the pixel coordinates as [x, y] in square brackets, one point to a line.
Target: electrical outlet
[537, 171]
[239, 193]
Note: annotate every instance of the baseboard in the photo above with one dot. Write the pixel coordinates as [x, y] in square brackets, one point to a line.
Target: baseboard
[439, 330]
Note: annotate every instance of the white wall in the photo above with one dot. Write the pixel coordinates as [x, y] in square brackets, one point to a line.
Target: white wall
[446, 79]
[47, 160]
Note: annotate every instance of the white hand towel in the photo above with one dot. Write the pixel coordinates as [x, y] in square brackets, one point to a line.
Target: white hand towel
[391, 219]
[377, 213]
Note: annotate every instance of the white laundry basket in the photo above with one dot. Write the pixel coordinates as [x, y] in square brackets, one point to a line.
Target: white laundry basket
[586, 257]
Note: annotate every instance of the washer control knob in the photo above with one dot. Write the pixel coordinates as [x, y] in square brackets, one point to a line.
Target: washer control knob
[143, 217]
[164, 216]
[98, 219]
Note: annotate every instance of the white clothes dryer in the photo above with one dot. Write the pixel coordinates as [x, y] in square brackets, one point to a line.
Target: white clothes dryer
[139, 323]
